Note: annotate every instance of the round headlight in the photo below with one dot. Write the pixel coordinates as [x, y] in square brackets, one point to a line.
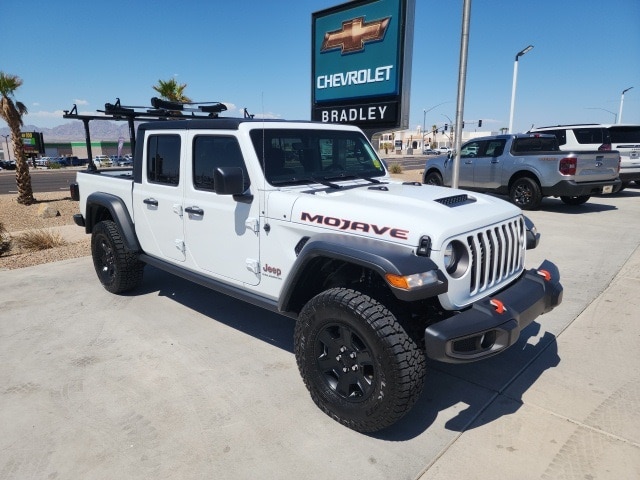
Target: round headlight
[449, 257]
[456, 259]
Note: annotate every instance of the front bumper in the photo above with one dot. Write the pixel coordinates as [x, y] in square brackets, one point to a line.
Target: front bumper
[494, 323]
[571, 188]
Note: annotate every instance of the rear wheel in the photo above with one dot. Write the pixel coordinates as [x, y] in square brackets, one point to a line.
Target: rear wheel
[525, 193]
[359, 365]
[575, 200]
[118, 269]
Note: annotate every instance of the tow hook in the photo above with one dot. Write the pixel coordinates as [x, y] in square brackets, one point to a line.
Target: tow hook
[499, 306]
[544, 274]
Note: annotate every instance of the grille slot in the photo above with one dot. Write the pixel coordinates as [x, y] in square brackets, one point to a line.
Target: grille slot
[496, 253]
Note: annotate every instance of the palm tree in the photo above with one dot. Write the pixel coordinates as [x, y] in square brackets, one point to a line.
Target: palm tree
[171, 90]
[12, 112]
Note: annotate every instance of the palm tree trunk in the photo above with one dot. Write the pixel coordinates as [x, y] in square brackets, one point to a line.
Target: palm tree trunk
[23, 177]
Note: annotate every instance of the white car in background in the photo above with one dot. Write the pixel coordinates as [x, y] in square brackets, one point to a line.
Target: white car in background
[625, 138]
[44, 161]
[102, 161]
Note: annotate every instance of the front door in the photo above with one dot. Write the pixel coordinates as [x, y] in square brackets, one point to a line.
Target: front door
[468, 157]
[221, 232]
[489, 163]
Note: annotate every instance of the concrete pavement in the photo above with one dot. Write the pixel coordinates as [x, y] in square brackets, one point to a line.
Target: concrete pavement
[176, 381]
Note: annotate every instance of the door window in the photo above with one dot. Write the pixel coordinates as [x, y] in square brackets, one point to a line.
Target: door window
[163, 159]
[495, 148]
[211, 152]
[589, 135]
[471, 149]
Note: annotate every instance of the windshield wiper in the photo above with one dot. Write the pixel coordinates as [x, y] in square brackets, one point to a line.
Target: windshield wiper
[298, 180]
[349, 175]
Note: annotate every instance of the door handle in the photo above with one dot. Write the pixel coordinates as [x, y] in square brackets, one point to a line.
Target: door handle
[151, 201]
[194, 210]
[468, 162]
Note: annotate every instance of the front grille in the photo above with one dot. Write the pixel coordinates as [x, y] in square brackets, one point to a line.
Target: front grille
[497, 252]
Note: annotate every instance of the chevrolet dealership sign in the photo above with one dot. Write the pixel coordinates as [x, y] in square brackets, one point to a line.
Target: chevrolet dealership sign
[362, 63]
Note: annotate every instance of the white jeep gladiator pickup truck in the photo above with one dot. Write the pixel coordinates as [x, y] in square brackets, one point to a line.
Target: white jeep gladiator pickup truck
[303, 219]
[528, 167]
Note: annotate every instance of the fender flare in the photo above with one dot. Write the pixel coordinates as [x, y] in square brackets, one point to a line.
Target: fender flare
[380, 257]
[119, 213]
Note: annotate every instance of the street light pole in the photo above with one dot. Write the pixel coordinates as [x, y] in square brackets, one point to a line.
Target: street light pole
[6, 141]
[515, 79]
[621, 102]
[424, 118]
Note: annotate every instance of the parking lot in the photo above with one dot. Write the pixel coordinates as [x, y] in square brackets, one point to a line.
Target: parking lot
[176, 381]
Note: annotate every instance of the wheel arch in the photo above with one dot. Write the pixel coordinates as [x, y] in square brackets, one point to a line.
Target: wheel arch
[104, 206]
[326, 261]
[432, 169]
[522, 174]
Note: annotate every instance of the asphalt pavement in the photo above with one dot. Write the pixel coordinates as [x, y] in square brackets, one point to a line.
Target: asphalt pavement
[175, 381]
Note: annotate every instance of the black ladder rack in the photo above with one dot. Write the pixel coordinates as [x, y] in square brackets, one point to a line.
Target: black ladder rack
[159, 110]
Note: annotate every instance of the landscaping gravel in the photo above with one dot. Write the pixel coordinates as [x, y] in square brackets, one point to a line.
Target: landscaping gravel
[17, 218]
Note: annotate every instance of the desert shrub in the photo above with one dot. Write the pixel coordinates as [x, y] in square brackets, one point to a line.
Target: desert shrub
[39, 240]
[395, 168]
[5, 241]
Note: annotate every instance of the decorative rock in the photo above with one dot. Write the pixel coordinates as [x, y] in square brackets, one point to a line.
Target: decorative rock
[46, 211]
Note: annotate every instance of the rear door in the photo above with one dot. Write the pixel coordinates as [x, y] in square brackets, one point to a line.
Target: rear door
[157, 200]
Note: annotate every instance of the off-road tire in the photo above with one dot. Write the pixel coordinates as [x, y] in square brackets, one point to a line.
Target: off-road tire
[575, 200]
[359, 365]
[433, 178]
[525, 193]
[118, 269]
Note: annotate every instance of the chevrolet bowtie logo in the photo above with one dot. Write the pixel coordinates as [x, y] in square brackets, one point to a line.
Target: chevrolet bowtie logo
[354, 34]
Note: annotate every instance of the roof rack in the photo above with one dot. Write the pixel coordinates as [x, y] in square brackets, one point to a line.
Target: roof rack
[159, 110]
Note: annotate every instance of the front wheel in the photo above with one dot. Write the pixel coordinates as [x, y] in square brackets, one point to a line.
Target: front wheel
[118, 269]
[359, 365]
[525, 193]
[433, 178]
[575, 200]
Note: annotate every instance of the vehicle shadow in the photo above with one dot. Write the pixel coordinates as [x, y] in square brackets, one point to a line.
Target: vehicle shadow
[511, 373]
[269, 327]
[551, 204]
[446, 388]
[558, 206]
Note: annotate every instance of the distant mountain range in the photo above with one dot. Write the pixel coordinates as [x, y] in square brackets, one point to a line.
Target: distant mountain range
[74, 131]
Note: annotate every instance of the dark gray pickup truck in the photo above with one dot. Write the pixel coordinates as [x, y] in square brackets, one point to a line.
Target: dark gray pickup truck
[528, 167]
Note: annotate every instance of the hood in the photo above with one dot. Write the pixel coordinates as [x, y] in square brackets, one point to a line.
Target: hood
[400, 213]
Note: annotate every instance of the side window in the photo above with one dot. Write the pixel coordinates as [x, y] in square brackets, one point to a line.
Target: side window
[589, 135]
[561, 135]
[163, 159]
[471, 149]
[211, 152]
[495, 148]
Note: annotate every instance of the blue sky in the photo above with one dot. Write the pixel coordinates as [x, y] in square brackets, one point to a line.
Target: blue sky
[257, 54]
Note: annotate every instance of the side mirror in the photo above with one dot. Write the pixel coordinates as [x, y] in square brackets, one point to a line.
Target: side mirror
[230, 181]
[532, 237]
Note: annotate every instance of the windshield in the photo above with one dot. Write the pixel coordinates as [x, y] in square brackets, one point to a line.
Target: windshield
[290, 156]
